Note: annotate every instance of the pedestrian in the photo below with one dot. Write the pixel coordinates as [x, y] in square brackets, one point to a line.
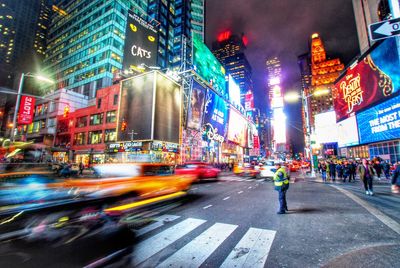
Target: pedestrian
[396, 179]
[323, 171]
[378, 168]
[81, 168]
[386, 169]
[328, 172]
[346, 170]
[352, 171]
[366, 172]
[281, 183]
[339, 170]
[332, 170]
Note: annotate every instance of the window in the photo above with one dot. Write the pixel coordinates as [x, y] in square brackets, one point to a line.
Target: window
[111, 117]
[95, 137]
[110, 135]
[80, 138]
[81, 121]
[51, 122]
[115, 102]
[96, 119]
[98, 103]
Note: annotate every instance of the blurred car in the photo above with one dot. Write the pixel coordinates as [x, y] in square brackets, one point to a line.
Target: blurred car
[198, 169]
[293, 167]
[246, 170]
[268, 169]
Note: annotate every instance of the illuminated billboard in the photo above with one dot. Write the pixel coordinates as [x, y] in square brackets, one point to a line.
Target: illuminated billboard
[207, 66]
[249, 100]
[234, 91]
[326, 128]
[347, 132]
[216, 112]
[237, 129]
[374, 78]
[141, 41]
[196, 106]
[279, 124]
[150, 108]
[381, 122]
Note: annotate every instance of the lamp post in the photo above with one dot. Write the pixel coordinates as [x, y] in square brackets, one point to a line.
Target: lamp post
[17, 103]
[294, 96]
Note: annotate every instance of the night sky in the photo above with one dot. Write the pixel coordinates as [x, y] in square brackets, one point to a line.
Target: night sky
[283, 28]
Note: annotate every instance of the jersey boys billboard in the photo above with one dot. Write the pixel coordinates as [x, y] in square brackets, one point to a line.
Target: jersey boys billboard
[376, 77]
[381, 122]
[216, 113]
[140, 43]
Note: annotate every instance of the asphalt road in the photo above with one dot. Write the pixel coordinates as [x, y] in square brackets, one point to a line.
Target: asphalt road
[233, 223]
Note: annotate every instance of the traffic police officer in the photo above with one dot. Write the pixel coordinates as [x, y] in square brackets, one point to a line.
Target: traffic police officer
[281, 183]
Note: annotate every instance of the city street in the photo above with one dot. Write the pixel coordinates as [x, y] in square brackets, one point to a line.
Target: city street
[233, 223]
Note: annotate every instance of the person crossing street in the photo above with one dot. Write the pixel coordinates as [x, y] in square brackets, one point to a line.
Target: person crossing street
[281, 183]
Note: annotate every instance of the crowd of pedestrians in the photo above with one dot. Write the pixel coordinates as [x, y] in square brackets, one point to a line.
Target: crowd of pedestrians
[345, 170]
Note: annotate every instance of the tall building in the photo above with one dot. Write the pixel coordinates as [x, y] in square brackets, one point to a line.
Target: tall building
[229, 50]
[304, 62]
[367, 12]
[274, 74]
[23, 30]
[198, 18]
[324, 72]
[86, 42]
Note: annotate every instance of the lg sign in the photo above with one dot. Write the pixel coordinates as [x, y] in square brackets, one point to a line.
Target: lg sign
[26, 109]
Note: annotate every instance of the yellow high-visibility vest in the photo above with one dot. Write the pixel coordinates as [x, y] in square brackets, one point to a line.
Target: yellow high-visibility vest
[280, 181]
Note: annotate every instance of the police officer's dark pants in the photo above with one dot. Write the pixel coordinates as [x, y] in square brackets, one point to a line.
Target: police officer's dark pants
[282, 199]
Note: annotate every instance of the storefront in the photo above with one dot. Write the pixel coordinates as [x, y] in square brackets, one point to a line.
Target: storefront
[89, 156]
[192, 144]
[232, 152]
[60, 157]
[356, 152]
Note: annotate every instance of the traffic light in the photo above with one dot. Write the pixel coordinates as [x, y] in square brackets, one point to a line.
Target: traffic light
[66, 111]
[123, 125]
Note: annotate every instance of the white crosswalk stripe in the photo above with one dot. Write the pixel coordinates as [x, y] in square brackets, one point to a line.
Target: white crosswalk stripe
[252, 250]
[154, 244]
[199, 249]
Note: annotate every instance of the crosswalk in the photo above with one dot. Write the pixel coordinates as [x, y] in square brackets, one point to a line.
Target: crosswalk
[251, 251]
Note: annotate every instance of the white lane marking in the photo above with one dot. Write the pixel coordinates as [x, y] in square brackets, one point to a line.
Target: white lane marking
[208, 185]
[195, 188]
[249, 180]
[240, 192]
[249, 187]
[207, 206]
[200, 248]
[226, 198]
[155, 244]
[160, 221]
[389, 222]
[252, 250]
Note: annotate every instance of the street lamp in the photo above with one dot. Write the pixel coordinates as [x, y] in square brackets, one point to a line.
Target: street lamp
[293, 97]
[20, 86]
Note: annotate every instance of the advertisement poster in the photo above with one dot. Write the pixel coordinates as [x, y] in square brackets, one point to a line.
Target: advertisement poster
[207, 66]
[26, 110]
[381, 122]
[196, 107]
[326, 127]
[216, 113]
[375, 78]
[347, 132]
[141, 41]
[234, 92]
[237, 131]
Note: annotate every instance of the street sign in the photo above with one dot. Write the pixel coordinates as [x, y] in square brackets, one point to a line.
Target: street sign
[384, 29]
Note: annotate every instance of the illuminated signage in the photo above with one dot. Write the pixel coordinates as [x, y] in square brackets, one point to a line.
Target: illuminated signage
[381, 122]
[124, 147]
[374, 78]
[249, 100]
[326, 128]
[165, 146]
[212, 133]
[277, 102]
[26, 109]
[141, 41]
[237, 129]
[216, 112]
[234, 91]
[279, 124]
[347, 132]
[196, 106]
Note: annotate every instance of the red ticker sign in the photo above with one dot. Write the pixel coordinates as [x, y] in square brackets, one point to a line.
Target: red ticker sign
[26, 109]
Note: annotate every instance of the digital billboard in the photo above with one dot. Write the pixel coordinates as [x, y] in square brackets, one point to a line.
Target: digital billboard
[374, 78]
[279, 125]
[381, 122]
[234, 91]
[141, 41]
[237, 129]
[26, 110]
[347, 132]
[326, 127]
[216, 112]
[207, 66]
[196, 106]
[150, 107]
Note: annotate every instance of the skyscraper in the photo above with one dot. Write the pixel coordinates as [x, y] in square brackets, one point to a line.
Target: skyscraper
[229, 50]
[86, 42]
[274, 74]
[304, 62]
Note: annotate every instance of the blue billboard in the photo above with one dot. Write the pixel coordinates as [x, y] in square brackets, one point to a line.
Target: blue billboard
[216, 112]
[381, 122]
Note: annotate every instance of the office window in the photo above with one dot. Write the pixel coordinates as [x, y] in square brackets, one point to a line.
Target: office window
[81, 121]
[79, 138]
[98, 103]
[95, 137]
[111, 117]
[96, 119]
[115, 102]
[110, 135]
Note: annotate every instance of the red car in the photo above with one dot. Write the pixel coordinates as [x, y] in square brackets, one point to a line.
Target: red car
[201, 170]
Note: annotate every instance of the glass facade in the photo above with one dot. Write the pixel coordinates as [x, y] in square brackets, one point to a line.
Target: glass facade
[386, 150]
[86, 42]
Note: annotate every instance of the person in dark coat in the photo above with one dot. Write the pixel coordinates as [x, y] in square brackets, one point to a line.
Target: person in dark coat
[339, 171]
[332, 170]
[366, 172]
[352, 174]
[386, 169]
[346, 171]
[396, 179]
[378, 168]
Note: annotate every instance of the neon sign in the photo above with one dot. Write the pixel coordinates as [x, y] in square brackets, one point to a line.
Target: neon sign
[352, 92]
[212, 133]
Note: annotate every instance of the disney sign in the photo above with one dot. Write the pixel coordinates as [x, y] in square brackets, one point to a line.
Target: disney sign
[212, 133]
